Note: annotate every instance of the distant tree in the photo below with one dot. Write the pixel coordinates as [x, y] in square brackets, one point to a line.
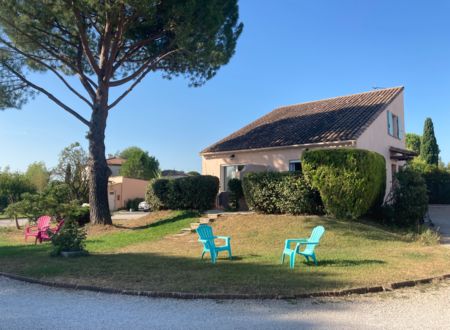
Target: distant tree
[413, 142]
[429, 149]
[193, 173]
[72, 169]
[38, 175]
[138, 164]
[101, 50]
[13, 186]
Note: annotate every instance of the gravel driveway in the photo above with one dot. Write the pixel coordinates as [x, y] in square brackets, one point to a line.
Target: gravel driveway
[30, 306]
[440, 215]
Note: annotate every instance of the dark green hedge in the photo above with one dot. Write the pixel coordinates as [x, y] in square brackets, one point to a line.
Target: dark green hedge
[407, 202]
[438, 185]
[285, 192]
[189, 193]
[133, 204]
[350, 181]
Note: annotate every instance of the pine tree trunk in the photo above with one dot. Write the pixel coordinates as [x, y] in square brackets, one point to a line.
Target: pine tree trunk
[98, 168]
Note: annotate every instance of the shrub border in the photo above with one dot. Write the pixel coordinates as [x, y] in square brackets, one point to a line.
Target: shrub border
[227, 296]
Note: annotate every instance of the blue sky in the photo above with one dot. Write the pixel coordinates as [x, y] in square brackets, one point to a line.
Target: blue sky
[291, 51]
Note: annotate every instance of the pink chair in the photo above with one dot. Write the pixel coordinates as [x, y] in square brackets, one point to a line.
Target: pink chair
[43, 235]
[42, 224]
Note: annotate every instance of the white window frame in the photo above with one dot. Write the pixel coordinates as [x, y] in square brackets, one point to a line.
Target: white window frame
[295, 161]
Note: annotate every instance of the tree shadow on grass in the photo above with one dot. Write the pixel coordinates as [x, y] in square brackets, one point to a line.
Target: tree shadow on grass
[175, 218]
[167, 273]
[349, 262]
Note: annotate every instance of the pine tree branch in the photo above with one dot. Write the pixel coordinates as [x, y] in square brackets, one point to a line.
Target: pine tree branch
[49, 67]
[143, 68]
[84, 41]
[48, 94]
[139, 79]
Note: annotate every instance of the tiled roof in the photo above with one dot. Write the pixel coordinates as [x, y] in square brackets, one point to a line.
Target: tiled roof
[115, 161]
[341, 118]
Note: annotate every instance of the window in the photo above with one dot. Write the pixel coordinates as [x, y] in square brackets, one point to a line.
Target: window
[394, 125]
[230, 172]
[295, 166]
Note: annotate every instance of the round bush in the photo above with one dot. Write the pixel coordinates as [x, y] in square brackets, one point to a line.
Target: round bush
[350, 181]
[280, 192]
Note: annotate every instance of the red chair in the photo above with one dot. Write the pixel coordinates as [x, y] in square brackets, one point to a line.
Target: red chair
[43, 235]
[42, 224]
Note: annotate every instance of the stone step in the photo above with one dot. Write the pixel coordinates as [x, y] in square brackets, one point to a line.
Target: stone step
[194, 225]
[183, 233]
[187, 230]
[206, 220]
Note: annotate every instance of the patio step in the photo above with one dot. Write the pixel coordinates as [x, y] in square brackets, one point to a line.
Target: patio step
[187, 230]
[206, 220]
[194, 225]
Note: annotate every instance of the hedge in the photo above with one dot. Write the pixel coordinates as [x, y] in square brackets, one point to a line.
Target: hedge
[438, 185]
[407, 203]
[350, 181]
[280, 192]
[188, 193]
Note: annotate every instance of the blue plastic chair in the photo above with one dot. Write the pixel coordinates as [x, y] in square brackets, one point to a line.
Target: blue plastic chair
[209, 246]
[310, 244]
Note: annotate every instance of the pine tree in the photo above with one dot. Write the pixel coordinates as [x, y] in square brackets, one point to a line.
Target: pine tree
[429, 149]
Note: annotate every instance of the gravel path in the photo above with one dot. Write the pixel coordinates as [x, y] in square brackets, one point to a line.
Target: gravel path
[30, 306]
[440, 215]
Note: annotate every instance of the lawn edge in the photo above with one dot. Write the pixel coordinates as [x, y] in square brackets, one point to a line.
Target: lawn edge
[227, 296]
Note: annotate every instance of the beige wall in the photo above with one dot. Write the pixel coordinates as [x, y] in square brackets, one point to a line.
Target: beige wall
[125, 189]
[276, 159]
[376, 137]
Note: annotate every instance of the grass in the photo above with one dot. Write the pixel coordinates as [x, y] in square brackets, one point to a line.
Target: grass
[139, 254]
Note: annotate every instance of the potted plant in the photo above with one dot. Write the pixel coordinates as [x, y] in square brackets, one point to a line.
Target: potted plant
[69, 241]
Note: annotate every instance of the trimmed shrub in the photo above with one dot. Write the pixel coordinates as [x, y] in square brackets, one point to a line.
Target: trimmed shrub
[236, 193]
[438, 185]
[188, 193]
[350, 181]
[133, 204]
[407, 203]
[70, 238]
[280, 192]
[80, 214]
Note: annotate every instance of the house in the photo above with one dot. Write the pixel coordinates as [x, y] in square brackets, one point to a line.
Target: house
[122, 189]
[114, 164]
[372, 120]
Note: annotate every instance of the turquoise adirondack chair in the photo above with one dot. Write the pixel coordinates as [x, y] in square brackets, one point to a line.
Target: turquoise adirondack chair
[310, 244]
[209, 246]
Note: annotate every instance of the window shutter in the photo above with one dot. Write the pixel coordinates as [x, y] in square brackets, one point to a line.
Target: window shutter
[390, 123]
[401, 129]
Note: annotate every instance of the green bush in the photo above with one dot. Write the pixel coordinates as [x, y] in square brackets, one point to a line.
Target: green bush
[133, 204]
[77, 213]
[70, 238]
[438, 185]
[236, 193]
[407, 202]
[280, 192]
[350, 181]
[188, 193]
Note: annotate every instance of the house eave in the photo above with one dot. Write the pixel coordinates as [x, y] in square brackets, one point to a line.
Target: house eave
[303, 146]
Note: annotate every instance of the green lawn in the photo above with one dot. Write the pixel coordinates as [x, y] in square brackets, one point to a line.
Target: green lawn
[140, 255]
